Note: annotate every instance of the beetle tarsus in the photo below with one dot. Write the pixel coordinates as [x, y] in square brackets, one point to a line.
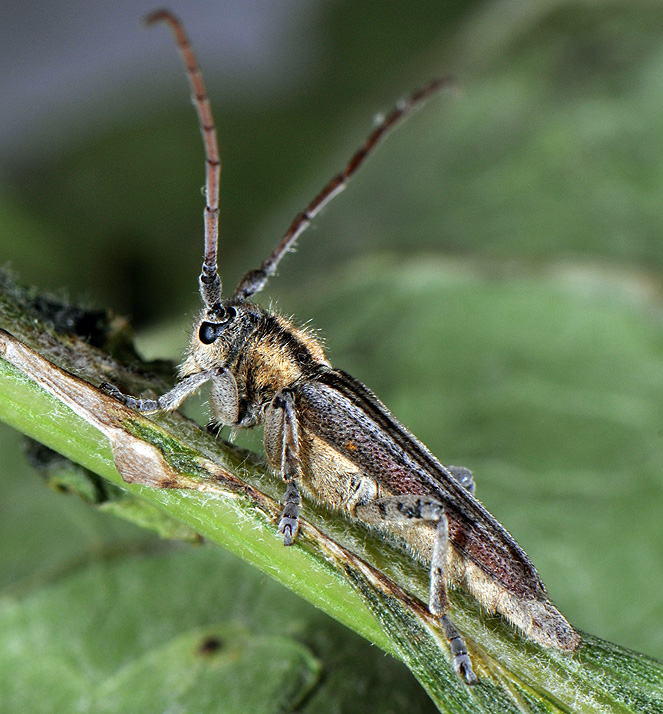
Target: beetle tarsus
[289, 523]
[462, 663]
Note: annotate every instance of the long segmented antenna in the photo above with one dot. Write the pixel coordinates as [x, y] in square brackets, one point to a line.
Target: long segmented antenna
[210, 282]
[255, 280]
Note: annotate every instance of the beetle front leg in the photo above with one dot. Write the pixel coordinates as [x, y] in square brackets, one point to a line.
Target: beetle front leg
[171, 399]
[282, 449]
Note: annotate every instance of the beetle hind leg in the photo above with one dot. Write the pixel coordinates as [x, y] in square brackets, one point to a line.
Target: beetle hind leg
[464, 477]
[438, 602]
[410, 510]
[462, 663]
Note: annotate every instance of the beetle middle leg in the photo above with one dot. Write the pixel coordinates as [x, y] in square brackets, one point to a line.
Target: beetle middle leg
[282, 448]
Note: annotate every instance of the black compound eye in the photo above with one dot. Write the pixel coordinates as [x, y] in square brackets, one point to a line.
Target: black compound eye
[219, 316]
[208, 332]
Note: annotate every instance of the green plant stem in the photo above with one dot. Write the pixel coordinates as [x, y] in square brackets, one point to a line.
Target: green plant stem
[228, 497]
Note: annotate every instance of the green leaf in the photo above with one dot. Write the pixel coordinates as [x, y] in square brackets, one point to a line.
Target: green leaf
[193, 629]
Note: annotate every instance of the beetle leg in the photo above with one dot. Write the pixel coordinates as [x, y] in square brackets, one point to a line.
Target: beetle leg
[171, 399]
[289, 523]
[462, 663]
[437, 600]
[464, 477]
[411, 509]
[282, 448]
[224, 397]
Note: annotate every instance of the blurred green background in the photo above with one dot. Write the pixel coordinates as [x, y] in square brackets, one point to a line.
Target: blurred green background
[494, 272]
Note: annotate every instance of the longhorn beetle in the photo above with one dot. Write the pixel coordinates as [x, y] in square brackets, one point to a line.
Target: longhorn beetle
[329, 436]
